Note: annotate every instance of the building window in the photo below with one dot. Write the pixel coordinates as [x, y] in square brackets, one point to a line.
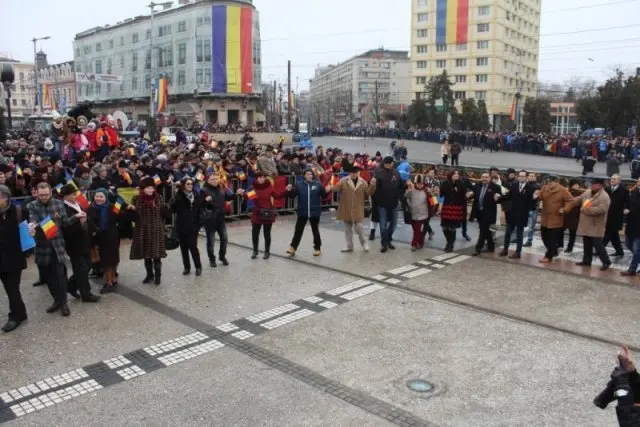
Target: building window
[21, 76]
[422, 4]
[482, 62]
[206, 47]
[164, 30]
[15, 102]
[98, 47]
[134, 62]
[207, 19]
[461, 62]
[109, 66]
[78, 68]
[461, 79]
[108, 87]
[98, 66]
[147, 82]
[182, 78]
[483, 28]
[23, 102]
[423, 17]
[111, 44]
[77, 51]
[199, 21]
[421, 34]
[98, 88]
[481, 95]
[207, 76]
[482, 78]
[421, 48]
[134, 83]
[147, 60]
[483, 44]
[459, 94]
[182, 53]
[21, 88]
[147, 35]
[460, 47]
[441, 48]
[484, 11]
[421, 64]
[134, 38]
[121, 61]
[165, 56]
[121, 40]
[199, 51]
[182, 26]
[441, 63]
[199, 76]
[420, 80]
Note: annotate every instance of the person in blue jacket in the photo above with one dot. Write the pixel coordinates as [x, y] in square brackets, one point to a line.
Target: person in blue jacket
[310, 193]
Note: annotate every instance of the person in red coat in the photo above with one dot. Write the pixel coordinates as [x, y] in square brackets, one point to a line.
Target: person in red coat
[113, 134]
[90, 134]
[263, 214]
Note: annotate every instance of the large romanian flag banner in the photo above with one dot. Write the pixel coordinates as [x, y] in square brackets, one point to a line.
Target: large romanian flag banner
[232, 49]
[161, 88]
[452, 21]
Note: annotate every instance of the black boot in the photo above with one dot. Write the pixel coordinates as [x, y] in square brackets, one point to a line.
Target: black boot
[254, 255]
[372, 234]
[148, 266]
[212, 262]
[157, 269]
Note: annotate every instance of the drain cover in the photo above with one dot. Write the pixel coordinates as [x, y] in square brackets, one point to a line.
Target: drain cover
[420, 386]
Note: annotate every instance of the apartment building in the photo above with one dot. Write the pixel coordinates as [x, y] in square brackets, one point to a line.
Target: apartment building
[340, 93]
[490, 49]
[22, 99]
[209, 50]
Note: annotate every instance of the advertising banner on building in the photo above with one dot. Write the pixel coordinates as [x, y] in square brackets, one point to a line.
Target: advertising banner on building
[99, 78]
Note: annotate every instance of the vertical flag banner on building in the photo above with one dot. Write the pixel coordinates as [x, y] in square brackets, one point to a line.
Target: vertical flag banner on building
[292, 101]
[452, 21]
[232, 49]
[514, 114]
[46, 97]
[161, 88]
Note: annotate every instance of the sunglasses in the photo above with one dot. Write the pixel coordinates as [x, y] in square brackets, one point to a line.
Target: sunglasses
[188, 183]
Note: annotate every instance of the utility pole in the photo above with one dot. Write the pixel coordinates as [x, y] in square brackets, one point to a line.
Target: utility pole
[35, 66]
[152, 114]
[376, 106]
[280, 101]
[273, 116]
[520, 82]
[289, 94]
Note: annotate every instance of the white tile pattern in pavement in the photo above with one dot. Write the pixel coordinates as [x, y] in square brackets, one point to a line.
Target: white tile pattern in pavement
[56, 389]
[257, 318]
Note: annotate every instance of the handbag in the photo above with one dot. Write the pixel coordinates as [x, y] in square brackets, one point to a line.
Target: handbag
[171, 240]
[406, 211]
[266, 214]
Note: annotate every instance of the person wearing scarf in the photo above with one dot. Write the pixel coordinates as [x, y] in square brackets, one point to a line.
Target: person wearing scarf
[186, 206]
[149, 234]
[103, 232]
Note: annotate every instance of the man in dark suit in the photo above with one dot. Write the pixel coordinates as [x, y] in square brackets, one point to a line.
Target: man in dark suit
[615, 217]
[485, 197]
[520, 196]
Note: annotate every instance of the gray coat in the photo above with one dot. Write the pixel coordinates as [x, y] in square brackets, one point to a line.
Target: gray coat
[418, 204]
[45, 249]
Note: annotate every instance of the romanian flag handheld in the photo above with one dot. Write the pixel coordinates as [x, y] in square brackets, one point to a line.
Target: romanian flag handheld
[82, 201]
[200, 176]
[73, 184]
[433, 201]
[335, 180]
[49, 228]
[132, 152]
[19, 171]
[117, 206]
[157, 180]
[126, 177]
[241, 176]
[251, 195]
[58, 188]
[587, 203]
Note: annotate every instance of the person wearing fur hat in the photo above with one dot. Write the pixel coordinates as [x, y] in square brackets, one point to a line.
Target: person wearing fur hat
[76, 239]
[353, 194]
[186, 206]
[263, 214]
[104, 234]
[421, 207]
[149, 234]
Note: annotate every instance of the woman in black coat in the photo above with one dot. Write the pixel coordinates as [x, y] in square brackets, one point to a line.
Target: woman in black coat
[454, 205]
[104, 234]
[186, 206]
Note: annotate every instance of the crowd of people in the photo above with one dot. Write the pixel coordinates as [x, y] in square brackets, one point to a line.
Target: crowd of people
[78, 190]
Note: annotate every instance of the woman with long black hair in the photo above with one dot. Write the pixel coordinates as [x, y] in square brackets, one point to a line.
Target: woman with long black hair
[186, 206]
[453, 208]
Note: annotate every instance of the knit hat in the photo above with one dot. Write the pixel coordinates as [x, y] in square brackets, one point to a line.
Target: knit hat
[67, 190]
[147, 181]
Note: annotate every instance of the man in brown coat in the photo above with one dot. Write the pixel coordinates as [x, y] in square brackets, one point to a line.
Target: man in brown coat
[594, 206]
[554, 198]
[353, 193]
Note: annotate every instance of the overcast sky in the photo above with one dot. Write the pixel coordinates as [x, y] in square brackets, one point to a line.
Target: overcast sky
[316, 32]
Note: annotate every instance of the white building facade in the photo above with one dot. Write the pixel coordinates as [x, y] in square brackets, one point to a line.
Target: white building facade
[185, 49]
[339, 94]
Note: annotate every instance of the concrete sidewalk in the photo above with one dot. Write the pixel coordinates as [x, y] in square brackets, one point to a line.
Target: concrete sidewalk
[322, 341]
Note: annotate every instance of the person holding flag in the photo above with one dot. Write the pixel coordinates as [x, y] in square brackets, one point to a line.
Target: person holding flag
[12, 259]
[213, 196]
[354, 191]
[76, 238]
[47, 217]
[263, 214]
[104, 234]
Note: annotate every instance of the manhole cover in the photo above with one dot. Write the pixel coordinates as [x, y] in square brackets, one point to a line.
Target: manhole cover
[420, 386]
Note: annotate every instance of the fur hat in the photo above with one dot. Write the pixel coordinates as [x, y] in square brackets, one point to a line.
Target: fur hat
[147, 181]
[418, 179]
[67, 190]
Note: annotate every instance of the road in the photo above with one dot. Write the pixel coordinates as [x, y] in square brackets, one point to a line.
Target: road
[420, 151]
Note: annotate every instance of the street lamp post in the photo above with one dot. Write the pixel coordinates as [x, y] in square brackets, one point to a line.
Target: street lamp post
[152, 113]
[35, 65]
[7, 77]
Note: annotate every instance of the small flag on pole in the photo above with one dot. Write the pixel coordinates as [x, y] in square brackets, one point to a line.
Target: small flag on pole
[117, 206]
[433, 201]
[58, 188]
[241, 176]
[157, 180]
[586, 203]
[132, 152]
[251, 195]
[126, 177]
[335, 180]
[73, 184]
[200, 177]
[49, 228]
[82, 201]
[19, 171]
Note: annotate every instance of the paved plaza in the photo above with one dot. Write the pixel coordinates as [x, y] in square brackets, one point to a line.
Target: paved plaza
[429, 152]
[324, 341]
